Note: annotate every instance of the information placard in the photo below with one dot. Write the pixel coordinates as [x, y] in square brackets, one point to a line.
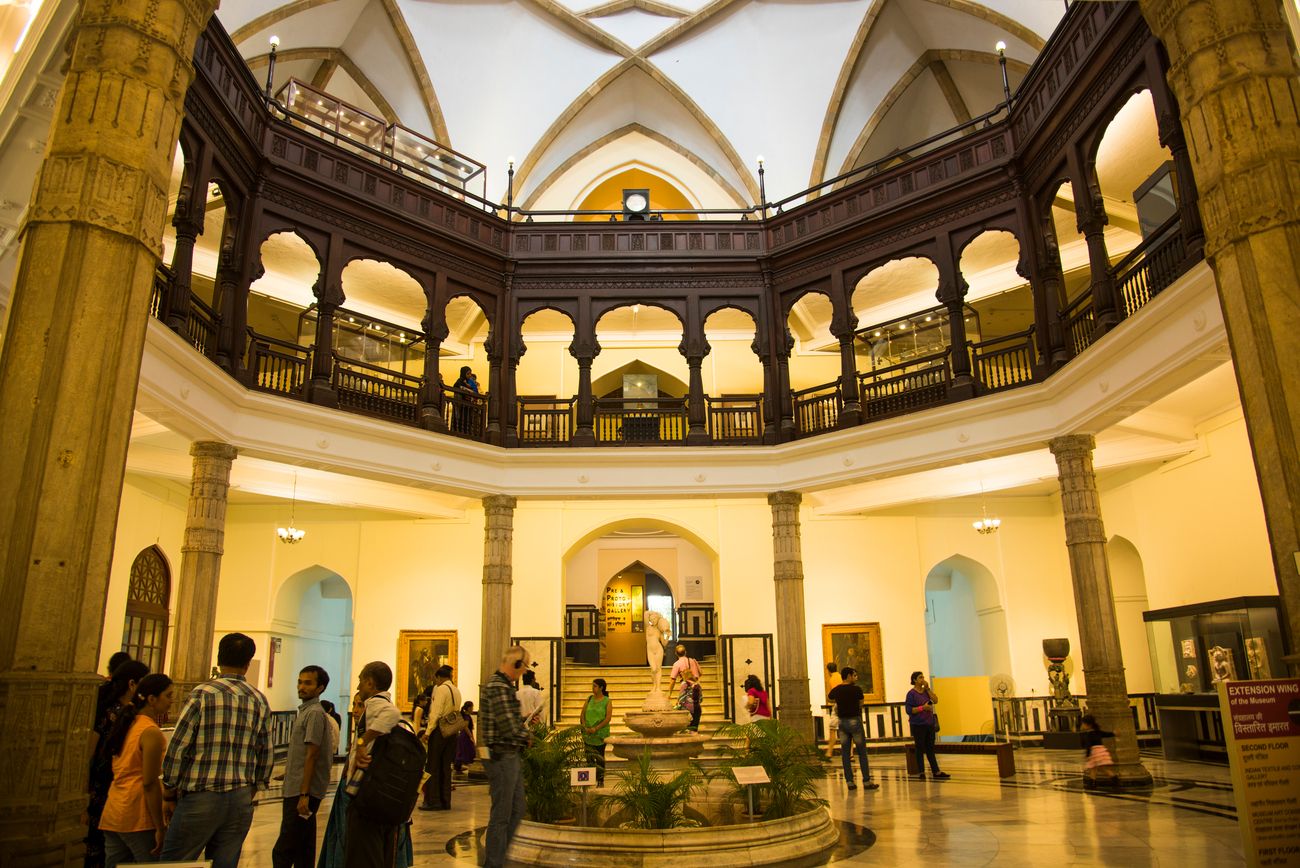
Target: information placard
[582, 777]
[1261, 725]
[750, 775]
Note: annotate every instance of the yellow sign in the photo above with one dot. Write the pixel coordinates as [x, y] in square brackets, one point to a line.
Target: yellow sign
[1261, 725]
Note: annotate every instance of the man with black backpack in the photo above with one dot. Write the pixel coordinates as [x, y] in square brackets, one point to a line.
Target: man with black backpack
[385, 782]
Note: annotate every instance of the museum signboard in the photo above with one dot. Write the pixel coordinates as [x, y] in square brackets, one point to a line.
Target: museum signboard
[1262, 732]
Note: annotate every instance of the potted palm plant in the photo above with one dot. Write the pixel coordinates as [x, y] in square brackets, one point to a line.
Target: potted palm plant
[546, 764]
[643, 798]
[793, 767]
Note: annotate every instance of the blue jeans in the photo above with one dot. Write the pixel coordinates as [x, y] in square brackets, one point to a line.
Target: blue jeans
[851, 730]
[215, 822]
[506, 787]
[120, 847]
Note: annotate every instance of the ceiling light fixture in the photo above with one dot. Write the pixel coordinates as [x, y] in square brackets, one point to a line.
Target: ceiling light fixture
[291, 534]
[987, 524]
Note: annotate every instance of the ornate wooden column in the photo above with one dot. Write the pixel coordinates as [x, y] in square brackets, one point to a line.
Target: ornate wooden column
[188, 223]
[784, 347]
[68, 375]
[1229, 62]
[844, 328]
[1051, 294]
[585, 352]
[230, 298]
[201, 551]
[952, 295]
[329, 296]
[695, 349]
[771, 391]
[435, 329]
[1171, 136]
[791, 632]
[1091, 216]
[498, 578]
[1094, 604]
[495, 350]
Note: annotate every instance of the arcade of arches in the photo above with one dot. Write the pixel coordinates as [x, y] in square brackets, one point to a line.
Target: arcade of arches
[766, 424]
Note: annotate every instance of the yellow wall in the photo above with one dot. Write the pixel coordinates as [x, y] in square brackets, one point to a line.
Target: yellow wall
[965, 706]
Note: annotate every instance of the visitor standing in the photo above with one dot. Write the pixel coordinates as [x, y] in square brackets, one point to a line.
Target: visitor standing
[833, 680]
[689, 699]
[532, 704]
[502, 730]
[370, 843]
[847, 697]
[115, 695]
[596, 714]
[445, 705]
[218, 758]
[756, 699]
[420, 711]
[686, 663]
[333, 849]
[466, 749]
[920, 714]
[132, 820]
[312, 744]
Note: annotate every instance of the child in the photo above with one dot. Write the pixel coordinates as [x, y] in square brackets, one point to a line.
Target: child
[1095, 753]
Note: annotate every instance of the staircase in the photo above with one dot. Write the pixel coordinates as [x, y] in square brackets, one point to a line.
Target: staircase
[628, 687]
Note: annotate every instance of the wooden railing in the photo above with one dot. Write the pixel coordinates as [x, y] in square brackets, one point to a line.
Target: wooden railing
[277, 366]
[640, 420]
[902, 388]
[546, 421]
[735, 419]
[1005, 362]
[465, 412]
[1079, 322]
[817, 409]
[1031, 715]
[282, 730]
[162, 285]
[1151, 266]
[201, 326]
[376, 391]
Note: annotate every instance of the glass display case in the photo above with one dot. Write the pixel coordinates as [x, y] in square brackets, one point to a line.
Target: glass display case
[915, 336]
[1195, 647]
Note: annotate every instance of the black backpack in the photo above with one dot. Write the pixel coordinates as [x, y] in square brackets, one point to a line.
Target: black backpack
[391, 783]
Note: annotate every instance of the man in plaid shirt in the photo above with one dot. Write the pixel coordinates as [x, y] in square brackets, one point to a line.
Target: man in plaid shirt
[502, 729]
[218, 758]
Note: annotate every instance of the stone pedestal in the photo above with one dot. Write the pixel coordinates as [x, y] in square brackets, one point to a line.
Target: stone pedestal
[91, 245]
[1103, 665]
[792, 653]
[205, 538]
[1233, 70]
[498, 578]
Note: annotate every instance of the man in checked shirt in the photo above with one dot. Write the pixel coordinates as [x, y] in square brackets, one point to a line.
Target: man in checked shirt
[502, 730]
[217, 760]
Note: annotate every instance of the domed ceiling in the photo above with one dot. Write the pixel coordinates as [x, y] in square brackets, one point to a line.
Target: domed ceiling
[691, 92]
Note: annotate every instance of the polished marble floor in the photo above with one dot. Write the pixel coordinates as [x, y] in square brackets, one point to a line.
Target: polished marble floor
[1040, 816]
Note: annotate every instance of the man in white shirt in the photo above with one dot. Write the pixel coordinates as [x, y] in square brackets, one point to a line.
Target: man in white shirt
[442, 748]
[370, 843]
[532, 704]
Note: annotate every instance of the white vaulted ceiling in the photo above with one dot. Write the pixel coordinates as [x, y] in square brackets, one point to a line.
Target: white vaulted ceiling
[576, 90]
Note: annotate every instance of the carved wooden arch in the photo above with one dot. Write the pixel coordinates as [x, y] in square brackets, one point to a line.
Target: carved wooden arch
[675, 306]
[1090, 141]
[920, 248]
[354, 252]
[761, 340]
[271, 223]
[537, 306]
[1009, 222]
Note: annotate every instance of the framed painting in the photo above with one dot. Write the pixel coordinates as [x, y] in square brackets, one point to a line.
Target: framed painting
[419, 654]
[858, 646]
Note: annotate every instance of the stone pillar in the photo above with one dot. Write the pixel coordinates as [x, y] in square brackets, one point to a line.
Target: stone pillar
[205, 538]
[498, 577]
[1094, 604]
[1230, 66]
[71, 361]
[791, 634]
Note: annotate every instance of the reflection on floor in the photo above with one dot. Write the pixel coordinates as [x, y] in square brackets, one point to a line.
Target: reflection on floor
[1040, 815]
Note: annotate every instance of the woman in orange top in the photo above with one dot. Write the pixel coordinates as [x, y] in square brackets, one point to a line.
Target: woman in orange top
[133, 820]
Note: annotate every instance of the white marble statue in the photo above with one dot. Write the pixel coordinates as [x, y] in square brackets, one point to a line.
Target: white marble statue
[656, 639]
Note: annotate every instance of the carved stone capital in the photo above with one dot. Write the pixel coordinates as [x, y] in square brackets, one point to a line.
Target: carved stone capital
[93, 189]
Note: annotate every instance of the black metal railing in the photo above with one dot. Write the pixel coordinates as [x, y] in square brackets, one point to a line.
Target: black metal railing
[640, 421]
[1021, 716]
[282, 730]
[817, 408]
[735, 419]
[1151, 266]
[545, 421]
[465, 412]
[1005, 362]
[1079, 322]
[911, 385]
[277, 366]
[376, 391]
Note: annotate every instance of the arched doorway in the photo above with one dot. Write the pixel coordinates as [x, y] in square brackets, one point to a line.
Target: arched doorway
[628, 596]
[1128, 587]
[966, 626]
[313, 621]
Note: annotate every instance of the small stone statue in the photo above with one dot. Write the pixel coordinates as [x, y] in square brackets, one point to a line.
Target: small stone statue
[656, 639]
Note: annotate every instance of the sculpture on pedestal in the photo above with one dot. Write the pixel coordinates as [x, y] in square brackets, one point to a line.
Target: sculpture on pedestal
[656, 639]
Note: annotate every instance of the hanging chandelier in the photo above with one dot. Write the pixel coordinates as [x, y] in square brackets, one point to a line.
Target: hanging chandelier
[986, 525]
[291, 534]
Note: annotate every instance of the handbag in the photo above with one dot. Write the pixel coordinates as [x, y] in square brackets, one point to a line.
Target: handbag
[452, 722]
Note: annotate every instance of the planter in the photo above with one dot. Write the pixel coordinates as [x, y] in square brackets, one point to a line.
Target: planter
[805, 839]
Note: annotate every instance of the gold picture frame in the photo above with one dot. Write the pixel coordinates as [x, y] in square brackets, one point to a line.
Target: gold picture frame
[856, 645]
[419, 654]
